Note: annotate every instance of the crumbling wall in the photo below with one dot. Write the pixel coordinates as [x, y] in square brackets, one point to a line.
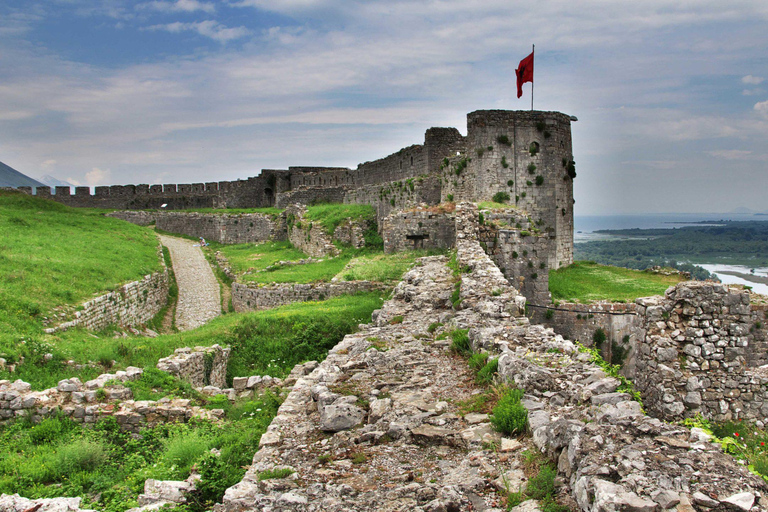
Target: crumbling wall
[134, 303]
[694, 357]
[307, 236]
[201, 366]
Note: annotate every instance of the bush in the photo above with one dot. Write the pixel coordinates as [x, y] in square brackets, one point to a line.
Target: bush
[460, 341]
[449, 197]
[510, 416]
[531, 168]
[500, 197]
[486, 373]
[549, 314]
[503, 139]
[599, 337]
[477, 360]
[80, 455]
[539, 180]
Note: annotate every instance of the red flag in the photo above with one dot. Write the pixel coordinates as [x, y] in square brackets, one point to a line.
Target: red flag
[524, 73]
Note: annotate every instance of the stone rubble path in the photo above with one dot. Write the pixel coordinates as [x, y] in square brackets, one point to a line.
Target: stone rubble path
[199, 292]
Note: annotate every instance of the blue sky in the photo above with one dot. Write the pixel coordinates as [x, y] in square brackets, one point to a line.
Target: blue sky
[671, 96]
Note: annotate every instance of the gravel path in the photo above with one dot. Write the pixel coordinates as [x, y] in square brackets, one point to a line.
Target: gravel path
[199, 293]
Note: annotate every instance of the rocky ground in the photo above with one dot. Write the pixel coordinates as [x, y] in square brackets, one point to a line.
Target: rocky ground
[199, 293]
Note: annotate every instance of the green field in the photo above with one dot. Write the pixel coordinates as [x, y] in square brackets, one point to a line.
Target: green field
[331, 215]
[244, 257]
[52, 255]
[586, 281]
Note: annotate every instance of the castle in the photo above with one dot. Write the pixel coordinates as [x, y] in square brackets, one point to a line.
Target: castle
[526, 156]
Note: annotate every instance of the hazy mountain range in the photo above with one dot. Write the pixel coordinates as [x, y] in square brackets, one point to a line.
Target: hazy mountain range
[10, 177]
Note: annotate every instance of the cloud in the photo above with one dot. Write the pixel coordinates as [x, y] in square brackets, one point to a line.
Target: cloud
[178, 6]
[752, 92]
[48, 164]
[93, 178]
[209, 28]
[752, 80]
[762, 108]
[731, 154]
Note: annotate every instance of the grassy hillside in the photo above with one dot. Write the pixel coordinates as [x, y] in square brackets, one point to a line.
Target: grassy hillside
[51, 255]
[586, 281]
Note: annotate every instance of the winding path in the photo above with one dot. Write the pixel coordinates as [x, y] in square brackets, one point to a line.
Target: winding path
[199, 293]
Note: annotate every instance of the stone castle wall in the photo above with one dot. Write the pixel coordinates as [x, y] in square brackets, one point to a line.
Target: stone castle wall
[253, 298]
[695, 356]
[223, 228]
[134, 303]
[419, 229]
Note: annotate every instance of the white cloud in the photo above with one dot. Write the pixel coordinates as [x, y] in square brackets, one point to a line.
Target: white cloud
[762, 108]
[209, 28]
[731, 154]
[179, 6]
[752, 92]
[752, 80]
[93, 178]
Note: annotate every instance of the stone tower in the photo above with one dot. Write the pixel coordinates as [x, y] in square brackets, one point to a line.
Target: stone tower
[527, 155]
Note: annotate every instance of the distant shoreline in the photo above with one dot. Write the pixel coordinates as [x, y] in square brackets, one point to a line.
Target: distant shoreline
[747, 277]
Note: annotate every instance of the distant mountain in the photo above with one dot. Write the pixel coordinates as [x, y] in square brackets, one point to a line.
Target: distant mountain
[742, 209]
[54, 182]
[10, 177]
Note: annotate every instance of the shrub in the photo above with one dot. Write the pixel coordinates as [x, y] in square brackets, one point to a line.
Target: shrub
[460, 341]
[599, 337]
[549, 314]
[510, 416]
[478, 360]
[433, 327]
[503, 139]
[500, 197]
[533, 148]
[486, 373]
[539, 180]
[80, 455]
[531, 168]
[449, 197]
[504, 162]
[510, 183]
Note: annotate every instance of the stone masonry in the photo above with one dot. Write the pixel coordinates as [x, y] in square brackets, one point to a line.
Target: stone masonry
[201, 366]
[253, 297]
[694, 357]
[134, 303]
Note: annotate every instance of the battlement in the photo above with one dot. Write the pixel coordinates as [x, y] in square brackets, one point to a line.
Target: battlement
[525, 154]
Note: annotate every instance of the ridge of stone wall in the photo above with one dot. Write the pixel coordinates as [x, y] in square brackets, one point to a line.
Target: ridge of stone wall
[223, 228]
[132, 304]
[252, 298]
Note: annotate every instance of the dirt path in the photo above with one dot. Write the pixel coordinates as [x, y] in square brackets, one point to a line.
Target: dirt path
[199, 294]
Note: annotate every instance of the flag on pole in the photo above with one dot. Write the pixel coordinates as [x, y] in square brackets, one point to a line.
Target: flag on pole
[524, 73]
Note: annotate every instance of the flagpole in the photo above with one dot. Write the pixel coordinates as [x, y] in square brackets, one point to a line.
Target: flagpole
[533, 51]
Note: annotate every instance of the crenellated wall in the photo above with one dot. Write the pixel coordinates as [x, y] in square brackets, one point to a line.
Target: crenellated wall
[223, 228]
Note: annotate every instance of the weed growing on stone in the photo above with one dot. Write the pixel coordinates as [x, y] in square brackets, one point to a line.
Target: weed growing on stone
[271, 474]
[460, 341]
[509, 415]
[612, 370]
[486, 374]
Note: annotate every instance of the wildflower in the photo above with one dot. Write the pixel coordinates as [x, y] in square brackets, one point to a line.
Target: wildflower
[762, 443]
[736, 434]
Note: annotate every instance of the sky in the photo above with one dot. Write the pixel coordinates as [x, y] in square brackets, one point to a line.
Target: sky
[671, 96]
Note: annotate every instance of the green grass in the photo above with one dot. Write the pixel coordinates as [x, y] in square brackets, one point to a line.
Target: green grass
[585, 281]
[320, 271]
[492, 205]
[243, 257]
[331, 215]
[108, 467]
[379, 267]
[264, 342]
[53, 255]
